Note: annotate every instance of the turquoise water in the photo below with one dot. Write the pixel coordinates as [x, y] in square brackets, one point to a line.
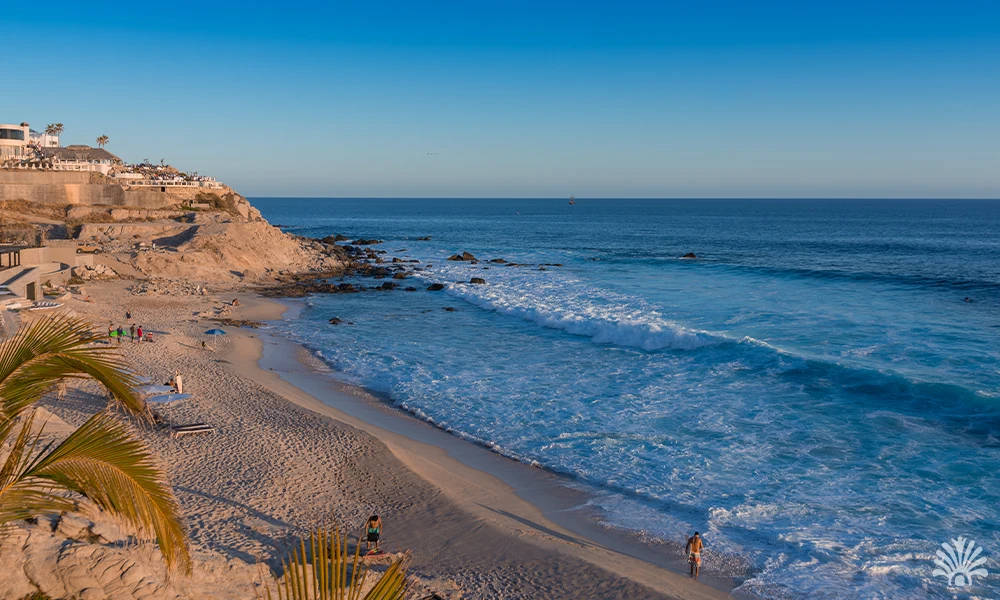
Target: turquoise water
[813, 393]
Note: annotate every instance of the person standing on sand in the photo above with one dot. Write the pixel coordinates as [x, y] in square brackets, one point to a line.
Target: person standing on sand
[121, 334]
[374, 530]
[131, 332]
[178, 383]
[128, 315]
[138, 332]
[111, 330]
[693, 550]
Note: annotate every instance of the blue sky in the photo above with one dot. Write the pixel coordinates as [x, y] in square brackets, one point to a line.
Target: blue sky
[624, 99]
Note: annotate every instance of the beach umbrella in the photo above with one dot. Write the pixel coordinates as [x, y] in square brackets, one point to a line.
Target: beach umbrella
[168, 398]
[215, 332]
[156, 389]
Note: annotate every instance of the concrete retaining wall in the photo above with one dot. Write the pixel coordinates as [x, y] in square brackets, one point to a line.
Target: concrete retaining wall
[55, 188]
[43, 177]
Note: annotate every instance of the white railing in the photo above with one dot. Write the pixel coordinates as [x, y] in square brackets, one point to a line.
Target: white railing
[169, 183]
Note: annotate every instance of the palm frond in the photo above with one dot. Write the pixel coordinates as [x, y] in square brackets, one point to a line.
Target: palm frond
[22, 498]
[38, 355]
[103, 461]
[333, 574]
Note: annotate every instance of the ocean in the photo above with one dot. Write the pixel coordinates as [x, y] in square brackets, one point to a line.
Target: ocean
[818, 392]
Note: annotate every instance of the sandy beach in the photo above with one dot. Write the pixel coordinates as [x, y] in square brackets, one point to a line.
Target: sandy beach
[284, 461]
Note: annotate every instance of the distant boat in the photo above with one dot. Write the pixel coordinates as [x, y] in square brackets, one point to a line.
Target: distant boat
[572, 200]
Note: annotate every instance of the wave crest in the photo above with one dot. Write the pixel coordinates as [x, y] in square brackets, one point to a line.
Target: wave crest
[615, 323]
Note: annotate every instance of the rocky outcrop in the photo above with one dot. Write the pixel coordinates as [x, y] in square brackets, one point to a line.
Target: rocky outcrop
[92, 272]
[435, 287]
[690, 255]
[238, 252]
[478, 280]
[465, 256]
[76, 557]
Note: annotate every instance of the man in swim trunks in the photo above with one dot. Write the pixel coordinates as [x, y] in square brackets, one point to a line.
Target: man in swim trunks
[693, 550]
[374, 530]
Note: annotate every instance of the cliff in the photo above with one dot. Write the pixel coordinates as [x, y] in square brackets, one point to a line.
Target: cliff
[198, 234]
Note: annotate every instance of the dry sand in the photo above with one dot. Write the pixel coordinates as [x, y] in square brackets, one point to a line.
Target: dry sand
[283, 462]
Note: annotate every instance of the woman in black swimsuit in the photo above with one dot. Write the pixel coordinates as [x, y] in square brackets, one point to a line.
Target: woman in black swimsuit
[374, 529]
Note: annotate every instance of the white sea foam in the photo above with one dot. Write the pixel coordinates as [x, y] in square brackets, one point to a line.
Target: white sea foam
[558, 301]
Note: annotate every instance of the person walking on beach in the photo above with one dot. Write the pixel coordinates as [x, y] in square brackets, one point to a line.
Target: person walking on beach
[131, 332]
[121, 334]
[374, 530]
[138, 332]
[693, 550]
[111, 330]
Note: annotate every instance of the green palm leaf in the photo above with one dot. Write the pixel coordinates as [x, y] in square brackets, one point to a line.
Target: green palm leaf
[40, 354]
[101, 460]
[333, 574]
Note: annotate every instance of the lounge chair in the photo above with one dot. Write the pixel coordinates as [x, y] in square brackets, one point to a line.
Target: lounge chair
[179, 430]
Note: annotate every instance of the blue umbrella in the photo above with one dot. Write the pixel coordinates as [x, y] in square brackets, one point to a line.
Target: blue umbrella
[215, 332]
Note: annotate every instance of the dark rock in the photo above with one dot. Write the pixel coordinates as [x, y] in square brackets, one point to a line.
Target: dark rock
[690, 255]
[336, 321]
[462, 256]
[410, 289]
[435, 287]
[477, 280]
[399, 276]
[449, 308]
[426, 238]
[364, 242]
[396, 259]
[236, 322]
[330, 239]
[499, 261]
[388, 285]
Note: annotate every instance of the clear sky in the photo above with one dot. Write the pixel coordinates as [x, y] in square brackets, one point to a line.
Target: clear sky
[511, 98]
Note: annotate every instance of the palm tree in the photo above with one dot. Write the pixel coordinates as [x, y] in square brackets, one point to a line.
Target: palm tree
[50, 129]
[102, 460]
[327, 577]
[103, 141]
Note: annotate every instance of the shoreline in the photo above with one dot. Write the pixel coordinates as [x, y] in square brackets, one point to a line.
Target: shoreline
[549, 509]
